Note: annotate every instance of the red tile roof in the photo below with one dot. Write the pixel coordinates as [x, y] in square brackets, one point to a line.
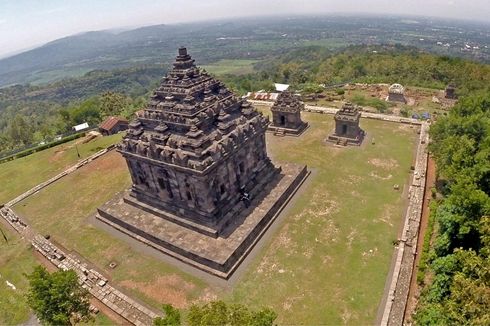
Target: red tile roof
[111, 122]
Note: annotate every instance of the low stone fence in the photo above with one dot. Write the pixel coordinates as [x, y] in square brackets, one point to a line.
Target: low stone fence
[59, 176]
[394, 310]
[367, 115]
[90, 279]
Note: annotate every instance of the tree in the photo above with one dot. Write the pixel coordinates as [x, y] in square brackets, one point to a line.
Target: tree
[171, 318]
[57, 298]
[220, 313]
[113, 103]
[459, 291]
[19, 131]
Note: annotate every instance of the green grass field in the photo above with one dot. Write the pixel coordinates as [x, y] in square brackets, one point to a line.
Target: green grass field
[327, 263]
[235, 67]
[15, 259]
[20, 175]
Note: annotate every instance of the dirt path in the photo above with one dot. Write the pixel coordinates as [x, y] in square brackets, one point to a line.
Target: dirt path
[414, 291]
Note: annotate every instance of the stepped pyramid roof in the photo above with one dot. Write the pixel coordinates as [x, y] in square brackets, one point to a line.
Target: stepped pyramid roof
[288, 102]
[192, 120]
[348, 112]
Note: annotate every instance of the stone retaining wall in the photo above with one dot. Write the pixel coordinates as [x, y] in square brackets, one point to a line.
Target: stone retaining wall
[394, 310]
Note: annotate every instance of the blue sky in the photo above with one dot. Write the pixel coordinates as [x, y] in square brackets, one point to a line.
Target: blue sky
[27, 23]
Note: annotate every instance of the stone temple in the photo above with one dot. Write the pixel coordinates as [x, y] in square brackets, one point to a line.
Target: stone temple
[396, 93]
[204, 189]
[286, 115]
[347, 130]
[450, 92]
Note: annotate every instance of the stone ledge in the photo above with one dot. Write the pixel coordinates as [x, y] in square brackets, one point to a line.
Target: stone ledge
[219, 256]
[280, 131]
[345, 141]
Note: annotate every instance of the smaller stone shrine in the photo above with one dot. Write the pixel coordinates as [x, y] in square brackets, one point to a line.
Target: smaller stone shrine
[347, 130]
[450, 92]
[396, 93]
[286, 115]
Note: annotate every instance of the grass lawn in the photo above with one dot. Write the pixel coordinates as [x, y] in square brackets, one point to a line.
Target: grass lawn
[65, 219]
[20, 175]
[226, 66]
[15, 259]
[327, 263]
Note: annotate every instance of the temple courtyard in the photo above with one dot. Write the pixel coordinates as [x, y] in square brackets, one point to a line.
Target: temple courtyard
[325, 261]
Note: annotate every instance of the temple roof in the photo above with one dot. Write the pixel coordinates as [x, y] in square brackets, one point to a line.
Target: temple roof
[348, 112]
[288, 102]
[192, 120]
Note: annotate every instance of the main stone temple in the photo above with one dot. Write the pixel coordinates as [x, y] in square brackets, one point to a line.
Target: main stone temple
[204, 189]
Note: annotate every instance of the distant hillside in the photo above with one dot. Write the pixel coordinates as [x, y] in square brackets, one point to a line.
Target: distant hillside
[253, 39]
[130, 81]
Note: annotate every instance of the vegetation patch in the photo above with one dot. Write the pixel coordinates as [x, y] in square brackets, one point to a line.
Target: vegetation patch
[459, 291]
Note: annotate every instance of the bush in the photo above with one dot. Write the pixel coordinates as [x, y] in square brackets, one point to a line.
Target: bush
[380, 105]
[172, 317]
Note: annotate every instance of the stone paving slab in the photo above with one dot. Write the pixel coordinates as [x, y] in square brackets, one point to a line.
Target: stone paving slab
[218, 256]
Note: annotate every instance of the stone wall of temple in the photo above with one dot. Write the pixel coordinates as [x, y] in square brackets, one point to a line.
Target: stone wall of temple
[196, 149]
[204, 197]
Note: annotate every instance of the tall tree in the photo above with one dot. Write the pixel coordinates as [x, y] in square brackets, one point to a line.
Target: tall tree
[220, 313]
[57, 298]
[113, 103]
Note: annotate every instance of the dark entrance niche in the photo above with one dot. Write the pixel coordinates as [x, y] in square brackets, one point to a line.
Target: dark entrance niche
[283, 120]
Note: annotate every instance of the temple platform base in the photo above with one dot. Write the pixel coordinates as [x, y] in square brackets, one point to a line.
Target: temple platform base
[218, 255]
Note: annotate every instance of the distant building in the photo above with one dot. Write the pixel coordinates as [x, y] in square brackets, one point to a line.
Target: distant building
[281, 87]
[80, 127]
[396, 93]
[113, 125]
